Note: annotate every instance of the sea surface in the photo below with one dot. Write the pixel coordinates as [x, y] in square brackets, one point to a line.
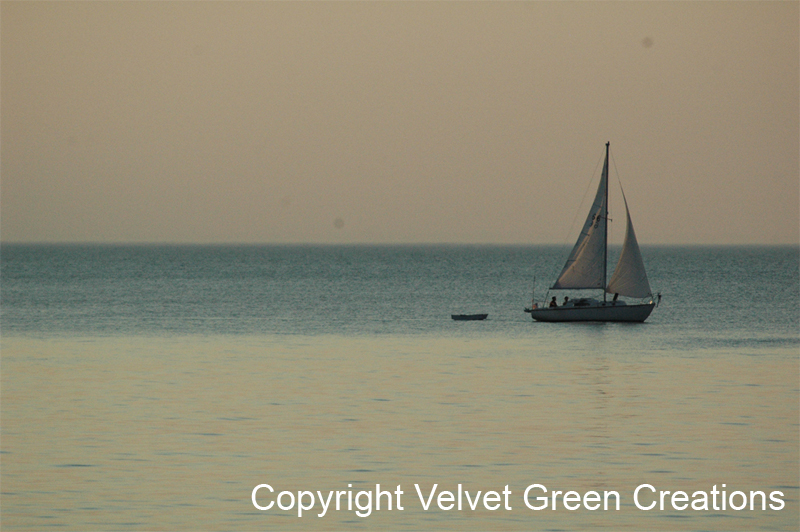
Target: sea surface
[154, 387]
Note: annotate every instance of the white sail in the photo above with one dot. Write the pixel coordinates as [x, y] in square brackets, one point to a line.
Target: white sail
[585, 267]
[630, 277]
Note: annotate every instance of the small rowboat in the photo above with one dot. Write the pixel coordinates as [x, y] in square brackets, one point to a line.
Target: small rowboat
[468, 317]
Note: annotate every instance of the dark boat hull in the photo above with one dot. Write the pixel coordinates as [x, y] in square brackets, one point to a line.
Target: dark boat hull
[469, 317]
[602, 312]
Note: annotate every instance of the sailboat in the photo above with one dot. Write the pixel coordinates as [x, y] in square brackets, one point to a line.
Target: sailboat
[586, 268]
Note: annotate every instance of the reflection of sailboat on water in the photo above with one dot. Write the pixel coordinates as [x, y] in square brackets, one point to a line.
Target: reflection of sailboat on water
[586, 268]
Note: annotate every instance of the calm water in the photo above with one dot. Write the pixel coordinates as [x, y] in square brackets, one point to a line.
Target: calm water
[152, 388]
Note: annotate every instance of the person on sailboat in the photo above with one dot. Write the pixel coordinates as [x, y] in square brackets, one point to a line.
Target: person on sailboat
[553, 302]
[566, 299]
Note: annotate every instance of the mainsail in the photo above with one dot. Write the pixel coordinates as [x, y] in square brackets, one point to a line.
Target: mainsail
[586, 265]
[630, 277]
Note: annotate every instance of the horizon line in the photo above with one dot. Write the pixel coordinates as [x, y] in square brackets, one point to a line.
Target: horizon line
[398, 244]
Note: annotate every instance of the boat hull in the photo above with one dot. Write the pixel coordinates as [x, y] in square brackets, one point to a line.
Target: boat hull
[468, 317]
[601, 312]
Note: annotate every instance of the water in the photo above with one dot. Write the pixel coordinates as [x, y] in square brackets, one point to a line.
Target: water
[153, 387]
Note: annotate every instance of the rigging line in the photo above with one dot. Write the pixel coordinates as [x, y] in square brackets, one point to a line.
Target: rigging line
[619, 181]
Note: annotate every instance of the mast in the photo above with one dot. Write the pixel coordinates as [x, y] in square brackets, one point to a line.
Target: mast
[605, 231]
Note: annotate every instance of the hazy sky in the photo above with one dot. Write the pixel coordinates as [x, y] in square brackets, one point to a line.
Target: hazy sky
[396, 122]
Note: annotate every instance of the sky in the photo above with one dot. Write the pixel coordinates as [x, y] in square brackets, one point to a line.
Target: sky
[397, 122]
